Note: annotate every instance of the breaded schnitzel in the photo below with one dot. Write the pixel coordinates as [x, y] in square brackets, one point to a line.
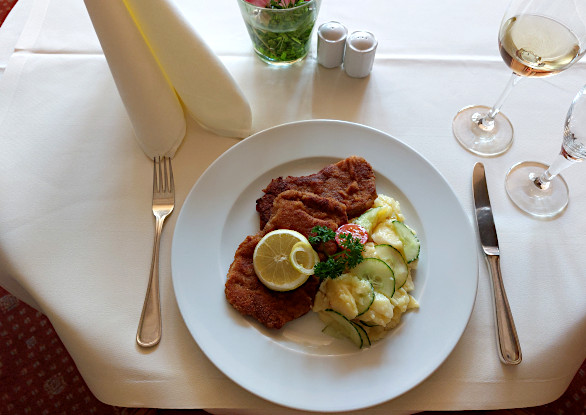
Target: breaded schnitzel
[328, 198]
[251, 298]
[299, 211]
[350, 181]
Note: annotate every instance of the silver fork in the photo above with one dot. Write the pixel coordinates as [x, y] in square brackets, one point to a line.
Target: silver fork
[149, 328]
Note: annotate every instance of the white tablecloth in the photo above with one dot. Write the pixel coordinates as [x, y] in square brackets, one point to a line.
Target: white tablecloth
[75, 189]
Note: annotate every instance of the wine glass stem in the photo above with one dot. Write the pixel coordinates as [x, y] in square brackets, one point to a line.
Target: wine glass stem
[561, 162]
[496, 108]
[486, 121]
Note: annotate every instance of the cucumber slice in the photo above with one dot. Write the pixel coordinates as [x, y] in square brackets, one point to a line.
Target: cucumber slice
[395, 260]
[334, 331]
[365, 339]
[339, 326]
[411, 245]
[378, 273]
[364, 300]
[367, 324]
[367, 219]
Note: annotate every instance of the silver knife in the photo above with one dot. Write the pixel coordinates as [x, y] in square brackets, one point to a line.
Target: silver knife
[508, 341]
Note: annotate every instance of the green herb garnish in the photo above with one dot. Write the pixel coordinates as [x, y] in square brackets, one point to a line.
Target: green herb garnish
[353, 250]
[341, 261]
[322, 234]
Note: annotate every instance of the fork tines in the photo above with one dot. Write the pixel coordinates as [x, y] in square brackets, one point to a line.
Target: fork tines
[162, 175]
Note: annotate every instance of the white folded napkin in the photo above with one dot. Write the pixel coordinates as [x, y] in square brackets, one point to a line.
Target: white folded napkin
[158, 61]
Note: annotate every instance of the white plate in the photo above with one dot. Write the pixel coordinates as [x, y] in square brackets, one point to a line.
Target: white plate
[298, 366]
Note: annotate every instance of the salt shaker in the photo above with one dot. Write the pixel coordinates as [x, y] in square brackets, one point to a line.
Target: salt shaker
[359, 54]
[331, 41]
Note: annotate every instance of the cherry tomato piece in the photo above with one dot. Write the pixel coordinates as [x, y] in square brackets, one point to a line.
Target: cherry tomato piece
[353, 229]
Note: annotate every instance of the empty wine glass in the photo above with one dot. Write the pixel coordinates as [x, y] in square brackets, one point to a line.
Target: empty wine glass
[537, 38]
[538, 189]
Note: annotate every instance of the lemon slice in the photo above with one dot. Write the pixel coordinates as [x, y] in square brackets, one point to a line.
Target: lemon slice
[303, 257]
[271, 260]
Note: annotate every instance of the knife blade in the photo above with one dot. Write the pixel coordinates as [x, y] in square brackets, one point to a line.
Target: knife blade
[507, 338]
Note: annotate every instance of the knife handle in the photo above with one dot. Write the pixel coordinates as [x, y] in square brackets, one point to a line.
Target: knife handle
[508, 341]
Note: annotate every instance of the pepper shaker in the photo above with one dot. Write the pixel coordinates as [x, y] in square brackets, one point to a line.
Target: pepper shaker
[359, 54]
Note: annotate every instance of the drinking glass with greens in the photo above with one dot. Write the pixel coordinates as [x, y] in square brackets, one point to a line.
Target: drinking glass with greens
[280, 30]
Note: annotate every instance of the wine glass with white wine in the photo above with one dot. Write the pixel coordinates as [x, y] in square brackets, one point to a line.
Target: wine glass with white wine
[537, 38]
[538, 189]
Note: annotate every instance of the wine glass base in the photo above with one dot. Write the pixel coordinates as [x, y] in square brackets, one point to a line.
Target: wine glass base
[480, 141]
[528, 197]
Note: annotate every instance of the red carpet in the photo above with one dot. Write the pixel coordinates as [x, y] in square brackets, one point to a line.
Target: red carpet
[5, 7]
[38, 377]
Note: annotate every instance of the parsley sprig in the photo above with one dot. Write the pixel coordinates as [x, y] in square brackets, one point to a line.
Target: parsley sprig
[339, 262]
[321, 234]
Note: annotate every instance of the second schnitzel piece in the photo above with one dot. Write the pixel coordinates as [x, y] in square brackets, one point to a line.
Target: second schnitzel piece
[299, 211]
[350, 181]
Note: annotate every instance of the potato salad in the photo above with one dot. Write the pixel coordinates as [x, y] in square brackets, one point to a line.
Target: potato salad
[368, 300]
